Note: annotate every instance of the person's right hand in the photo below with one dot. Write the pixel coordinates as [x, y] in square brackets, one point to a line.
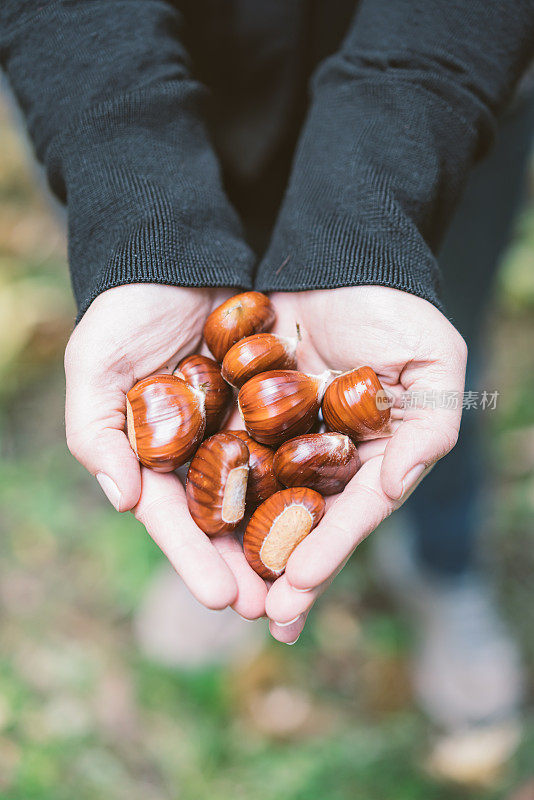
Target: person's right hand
[127, 333]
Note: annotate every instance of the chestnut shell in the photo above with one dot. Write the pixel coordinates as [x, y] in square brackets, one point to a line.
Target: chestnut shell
[166, 421]
[255, 354]
[206, 481]
[280, 404]
[204, 373]
[322, 461]
[239, 316]
[352, 404]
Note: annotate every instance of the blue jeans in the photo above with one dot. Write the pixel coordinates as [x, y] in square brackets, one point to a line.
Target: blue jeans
[445, 508]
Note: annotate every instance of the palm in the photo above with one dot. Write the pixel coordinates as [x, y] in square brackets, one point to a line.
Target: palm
[412, 347]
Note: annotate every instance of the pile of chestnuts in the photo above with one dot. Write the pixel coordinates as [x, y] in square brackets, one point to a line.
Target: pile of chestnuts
[276, 467]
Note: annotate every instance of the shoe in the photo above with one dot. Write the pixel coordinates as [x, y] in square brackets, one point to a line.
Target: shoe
[173, 629]
[467, 670]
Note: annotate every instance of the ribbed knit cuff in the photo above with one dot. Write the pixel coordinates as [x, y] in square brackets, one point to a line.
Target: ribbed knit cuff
[161, 251]
[329, 253]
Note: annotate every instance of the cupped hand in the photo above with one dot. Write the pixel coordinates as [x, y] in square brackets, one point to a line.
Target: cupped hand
[127, 333]
[414, 349]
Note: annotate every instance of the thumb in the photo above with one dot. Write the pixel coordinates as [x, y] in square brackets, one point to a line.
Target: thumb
[94, 422]
[429, 429]
[414, 447]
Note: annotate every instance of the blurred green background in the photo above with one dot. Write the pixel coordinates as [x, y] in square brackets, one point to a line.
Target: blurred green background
[83, 715]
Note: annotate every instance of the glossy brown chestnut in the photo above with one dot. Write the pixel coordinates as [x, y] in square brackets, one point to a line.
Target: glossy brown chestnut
[262, 482]
[278, 526]
[204, 373]
[322, 461]
[165, 421]
[258, 353]
[240, 316]
[217, 484]
[355, 403]
[278, 405]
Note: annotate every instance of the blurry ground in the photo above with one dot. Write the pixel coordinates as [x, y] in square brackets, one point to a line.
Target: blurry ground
[83, 716]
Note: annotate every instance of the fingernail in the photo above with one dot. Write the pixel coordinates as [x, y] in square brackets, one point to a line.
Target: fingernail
[110, 489]
[411, 478]
[286, 624]
[294, 641]
[301, 590]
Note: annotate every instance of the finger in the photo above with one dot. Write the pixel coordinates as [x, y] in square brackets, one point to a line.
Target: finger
[285, 604]
[251, 589]
[94, 423]
[429, 430]
[163, 511]
[356, 512]
[288, 634]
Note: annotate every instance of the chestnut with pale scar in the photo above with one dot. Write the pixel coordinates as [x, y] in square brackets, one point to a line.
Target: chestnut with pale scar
[278, 526]
[217, 484]
[262, 481]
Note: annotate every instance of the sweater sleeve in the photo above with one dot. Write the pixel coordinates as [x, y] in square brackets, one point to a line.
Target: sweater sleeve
[116, 117]
[397, 117]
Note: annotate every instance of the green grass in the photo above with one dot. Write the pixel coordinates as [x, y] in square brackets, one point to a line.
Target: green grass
[86, 568]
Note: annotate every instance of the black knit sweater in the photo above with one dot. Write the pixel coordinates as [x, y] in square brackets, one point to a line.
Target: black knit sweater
[169, 128]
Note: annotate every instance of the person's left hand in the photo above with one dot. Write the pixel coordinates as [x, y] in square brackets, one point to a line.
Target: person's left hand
[413, 348]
